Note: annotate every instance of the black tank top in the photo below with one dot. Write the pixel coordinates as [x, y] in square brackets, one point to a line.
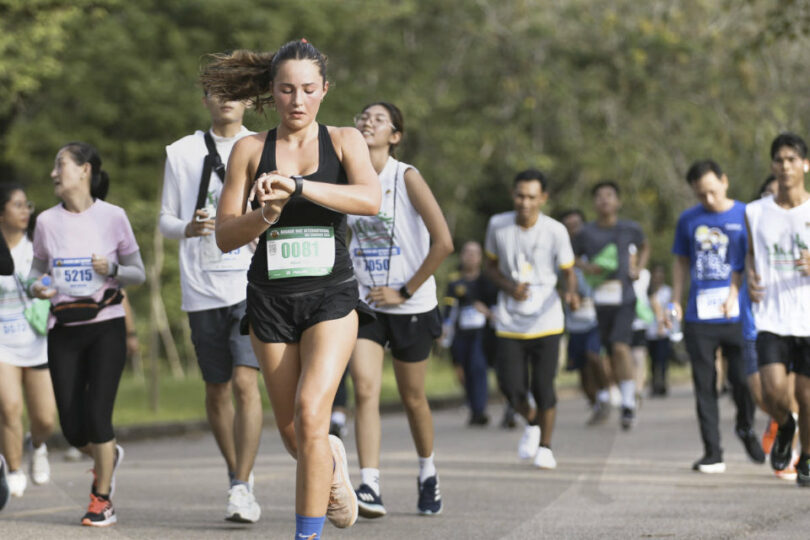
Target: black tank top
[301, 212]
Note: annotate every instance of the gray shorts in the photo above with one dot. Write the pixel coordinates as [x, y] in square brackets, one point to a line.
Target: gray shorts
[218, 343]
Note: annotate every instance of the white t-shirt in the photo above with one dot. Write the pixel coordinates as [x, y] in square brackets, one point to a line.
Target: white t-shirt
[533, 256]
[209, 279]
[20, 345]
[778, 235]
[381, 258]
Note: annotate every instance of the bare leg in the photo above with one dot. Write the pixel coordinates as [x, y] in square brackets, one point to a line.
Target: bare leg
[546, 422]
[103, 460]
[411, 384]
[11, 419]
[220, 413]
[41, 404]
[803, 397]
[775, 392]
[366, 368]
[247, 426]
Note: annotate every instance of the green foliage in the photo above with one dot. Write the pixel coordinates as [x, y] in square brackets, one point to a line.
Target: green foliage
[585, 90]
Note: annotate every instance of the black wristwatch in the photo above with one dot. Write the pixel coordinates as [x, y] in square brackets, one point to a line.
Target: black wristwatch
[299, 185]
[403, 292]
[114, 271]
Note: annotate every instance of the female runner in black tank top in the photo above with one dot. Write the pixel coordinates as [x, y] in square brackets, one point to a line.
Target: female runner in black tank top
[305, 349]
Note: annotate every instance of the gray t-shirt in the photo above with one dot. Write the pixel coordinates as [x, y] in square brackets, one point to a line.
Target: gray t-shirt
[532, 256]
[617, 287]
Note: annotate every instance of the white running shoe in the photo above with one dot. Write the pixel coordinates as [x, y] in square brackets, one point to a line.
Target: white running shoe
[343, 509]
[73, 454]
[40, 469]
[527, 447]
[544, 459]
[17, 482]
[242, 505]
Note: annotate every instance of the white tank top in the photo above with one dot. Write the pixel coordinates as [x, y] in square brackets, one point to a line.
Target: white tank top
[778, 235]
[388, 248]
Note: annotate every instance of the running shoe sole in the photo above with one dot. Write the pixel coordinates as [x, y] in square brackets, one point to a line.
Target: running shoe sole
[342, 471]
[106, 523]
[370, 511]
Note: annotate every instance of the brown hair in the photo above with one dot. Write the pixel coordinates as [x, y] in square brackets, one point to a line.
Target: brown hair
[248, 75]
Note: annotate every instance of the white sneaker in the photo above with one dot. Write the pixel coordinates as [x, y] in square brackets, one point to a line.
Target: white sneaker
[527, 447]
[17, 482]
[39, 467]
[242, 505]
[343, 509]
[73, 454]
[544, 459]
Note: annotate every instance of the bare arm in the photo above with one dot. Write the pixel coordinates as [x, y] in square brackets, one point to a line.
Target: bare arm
[571, 296]
[755, 289]
[518, 291]
[680, 269]
[361, 197]
[235, 225]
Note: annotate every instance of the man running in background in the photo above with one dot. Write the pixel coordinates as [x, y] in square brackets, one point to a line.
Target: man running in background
[709, 248]
[584, 345]
[525, 251]
[778, 268]
[611, 251]
[213, 286]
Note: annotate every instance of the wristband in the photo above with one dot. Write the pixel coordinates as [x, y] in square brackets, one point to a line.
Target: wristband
[403, 292]
[299, 185]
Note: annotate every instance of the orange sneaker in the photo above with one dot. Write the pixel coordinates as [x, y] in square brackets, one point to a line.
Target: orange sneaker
[100, 513]
[769, 436]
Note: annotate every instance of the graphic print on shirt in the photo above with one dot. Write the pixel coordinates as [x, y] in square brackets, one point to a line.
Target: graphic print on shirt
[377, 246]
[212, 258]
[782, 255]
[711, 254]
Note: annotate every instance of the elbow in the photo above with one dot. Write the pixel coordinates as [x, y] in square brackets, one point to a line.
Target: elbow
[222, 242]
[445, 246]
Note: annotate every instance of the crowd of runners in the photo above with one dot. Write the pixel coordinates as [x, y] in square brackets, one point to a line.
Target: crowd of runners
[307, 251]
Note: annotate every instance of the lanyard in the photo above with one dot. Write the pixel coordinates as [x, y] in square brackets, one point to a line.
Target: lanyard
[390, 235]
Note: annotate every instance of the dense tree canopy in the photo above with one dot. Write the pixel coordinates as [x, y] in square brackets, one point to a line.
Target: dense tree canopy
[585, 90]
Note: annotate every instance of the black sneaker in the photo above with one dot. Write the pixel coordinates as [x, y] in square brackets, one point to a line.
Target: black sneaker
[369, 504]
[628, 419]
[430, 499]
[803, 470]
[4, 491]
[782, 443]
[600, 413]
[478, 420]
[709, 465]
[508, 421]
[752, 446]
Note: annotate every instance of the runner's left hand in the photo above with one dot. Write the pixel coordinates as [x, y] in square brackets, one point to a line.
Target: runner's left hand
[384, 297]
[803, 263]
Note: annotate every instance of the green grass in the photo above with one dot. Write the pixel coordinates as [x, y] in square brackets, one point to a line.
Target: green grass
[184, 399]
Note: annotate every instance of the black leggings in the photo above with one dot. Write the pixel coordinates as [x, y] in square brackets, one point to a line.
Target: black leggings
[86, 363]
[516, 358]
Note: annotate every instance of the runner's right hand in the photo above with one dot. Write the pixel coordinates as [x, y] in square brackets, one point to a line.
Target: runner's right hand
[39, 290]
[520, 292]
[205, 227]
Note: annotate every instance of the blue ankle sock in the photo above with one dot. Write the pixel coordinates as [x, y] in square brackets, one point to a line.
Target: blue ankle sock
[308, 528]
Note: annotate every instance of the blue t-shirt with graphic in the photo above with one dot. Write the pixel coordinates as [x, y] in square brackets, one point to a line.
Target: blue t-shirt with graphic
[715, 244]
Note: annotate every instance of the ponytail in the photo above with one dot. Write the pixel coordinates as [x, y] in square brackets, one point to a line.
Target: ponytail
[99, 179]
[248, 76]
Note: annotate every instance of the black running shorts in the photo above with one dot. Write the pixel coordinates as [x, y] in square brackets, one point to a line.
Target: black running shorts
[409, 337]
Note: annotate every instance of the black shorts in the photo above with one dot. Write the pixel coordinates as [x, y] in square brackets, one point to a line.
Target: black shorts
[639, 338]
[277, 318]
[792, 351]
[409, 337]
[616, 323]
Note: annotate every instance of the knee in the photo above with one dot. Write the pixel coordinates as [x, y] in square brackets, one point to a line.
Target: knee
[288, 438]
[217, 394]
[245, 386]
[413, 398]
[310, 422]
[366, 391]
[11, 411]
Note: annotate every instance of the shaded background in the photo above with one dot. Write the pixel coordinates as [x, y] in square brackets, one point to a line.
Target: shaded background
[633, 91]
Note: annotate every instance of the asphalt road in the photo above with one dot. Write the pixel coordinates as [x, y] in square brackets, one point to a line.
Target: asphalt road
[608, 484]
